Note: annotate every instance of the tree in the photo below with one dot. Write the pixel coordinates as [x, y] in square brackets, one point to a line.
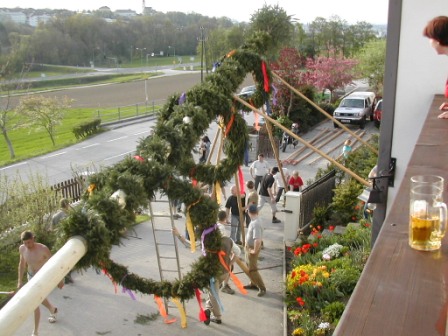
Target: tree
[275, 23]
[371, 64]
[44, 112]
[336, 35]
[10, 80]
[288, 67]
[330, 72]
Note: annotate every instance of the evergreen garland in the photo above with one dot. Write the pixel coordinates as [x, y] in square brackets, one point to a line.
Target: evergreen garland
[168, 158]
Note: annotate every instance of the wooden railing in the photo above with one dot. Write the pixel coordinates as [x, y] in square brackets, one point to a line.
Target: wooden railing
[71, 189]
[403, 291]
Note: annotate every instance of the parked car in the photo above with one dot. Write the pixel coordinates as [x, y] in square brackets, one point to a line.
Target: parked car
[355, 109]
[378, 112]
[247, 91]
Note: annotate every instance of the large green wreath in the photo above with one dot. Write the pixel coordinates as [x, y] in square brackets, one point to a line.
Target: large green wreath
[167, 159]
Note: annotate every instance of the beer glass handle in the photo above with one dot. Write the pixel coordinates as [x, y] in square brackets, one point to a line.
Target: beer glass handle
[443, 217]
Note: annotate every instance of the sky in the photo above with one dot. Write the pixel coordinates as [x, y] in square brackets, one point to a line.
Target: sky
[304, 11]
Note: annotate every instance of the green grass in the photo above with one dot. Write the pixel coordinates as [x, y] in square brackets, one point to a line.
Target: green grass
[34, 142]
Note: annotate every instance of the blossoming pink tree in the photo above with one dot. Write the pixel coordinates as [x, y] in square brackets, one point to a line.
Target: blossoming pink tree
[330, 72]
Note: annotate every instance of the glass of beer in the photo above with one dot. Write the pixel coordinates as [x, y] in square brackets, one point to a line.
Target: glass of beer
[436, 181]
[428, 216]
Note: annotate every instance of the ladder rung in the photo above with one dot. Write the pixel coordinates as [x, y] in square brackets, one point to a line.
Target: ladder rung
[167, 257]
[164, 230]
[160, 201]
[172, 271]
[165, 244]
[158, 215]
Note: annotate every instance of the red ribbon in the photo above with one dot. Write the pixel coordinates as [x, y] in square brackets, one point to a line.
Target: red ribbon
[106, 273]
[265, 77]
[202, 316]
[241, 180]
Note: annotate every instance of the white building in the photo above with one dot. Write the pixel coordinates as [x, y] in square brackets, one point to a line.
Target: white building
[34, 20]
[17, 17]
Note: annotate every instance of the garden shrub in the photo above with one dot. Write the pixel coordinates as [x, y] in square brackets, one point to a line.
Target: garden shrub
[87, 128]
[333, 311]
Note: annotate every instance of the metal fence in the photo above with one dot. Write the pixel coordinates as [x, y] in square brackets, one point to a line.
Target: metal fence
[129, 111]
[320, 193]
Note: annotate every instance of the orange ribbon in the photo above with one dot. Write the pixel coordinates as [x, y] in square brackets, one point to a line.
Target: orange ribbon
[235, 279]
[229, 125]
[162, 310]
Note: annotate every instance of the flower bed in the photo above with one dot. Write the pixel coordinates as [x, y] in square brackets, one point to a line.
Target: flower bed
[323, 271]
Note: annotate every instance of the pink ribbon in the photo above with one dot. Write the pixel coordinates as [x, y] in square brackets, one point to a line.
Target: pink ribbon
[204, 233]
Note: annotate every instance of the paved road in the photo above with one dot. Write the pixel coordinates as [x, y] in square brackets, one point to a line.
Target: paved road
[110, 147]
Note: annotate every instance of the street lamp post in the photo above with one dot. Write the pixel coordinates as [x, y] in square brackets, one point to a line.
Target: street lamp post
[174, 49]
[202, 40]
[141, 54]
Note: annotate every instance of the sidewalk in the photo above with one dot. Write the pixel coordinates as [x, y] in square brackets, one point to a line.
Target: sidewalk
[90, 306]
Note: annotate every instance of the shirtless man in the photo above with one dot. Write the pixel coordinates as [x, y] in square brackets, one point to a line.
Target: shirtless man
[35, 255]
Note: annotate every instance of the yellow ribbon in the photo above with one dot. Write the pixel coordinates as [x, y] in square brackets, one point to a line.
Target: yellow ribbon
[191, 232]
[183, 316]
[218, 192]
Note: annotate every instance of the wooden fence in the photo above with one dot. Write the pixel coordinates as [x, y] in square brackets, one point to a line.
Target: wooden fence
[71, 189]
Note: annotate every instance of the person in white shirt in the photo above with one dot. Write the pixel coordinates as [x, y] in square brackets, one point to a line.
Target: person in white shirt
[258, 169]
[279, 183]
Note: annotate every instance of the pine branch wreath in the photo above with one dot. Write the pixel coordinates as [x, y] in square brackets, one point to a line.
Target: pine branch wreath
[168, 157]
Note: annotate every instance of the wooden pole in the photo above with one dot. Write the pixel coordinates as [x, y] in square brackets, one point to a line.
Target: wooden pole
[30, 296]
[332, 149]
[240, 209]
[276, 123]
[275, 149]
[300, 94]
[291, 157]
[213, 145]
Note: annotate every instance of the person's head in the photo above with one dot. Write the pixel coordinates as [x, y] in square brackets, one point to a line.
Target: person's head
[252, 210]
[222, 216]
[233, 190]
[205, 138]
[64, 203]
[348, 142]
[274, 170]
[295, 173]
[250, 184]
[437, 32]
[27, 238]
[261, 157]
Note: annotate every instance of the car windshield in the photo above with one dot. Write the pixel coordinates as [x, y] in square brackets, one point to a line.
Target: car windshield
[248, 89]
[359, 103]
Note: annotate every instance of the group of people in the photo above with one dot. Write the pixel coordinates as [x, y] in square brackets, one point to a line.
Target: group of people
[252, 248]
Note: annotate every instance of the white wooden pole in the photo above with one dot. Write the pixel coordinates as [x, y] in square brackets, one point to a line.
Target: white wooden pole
[30, 296]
